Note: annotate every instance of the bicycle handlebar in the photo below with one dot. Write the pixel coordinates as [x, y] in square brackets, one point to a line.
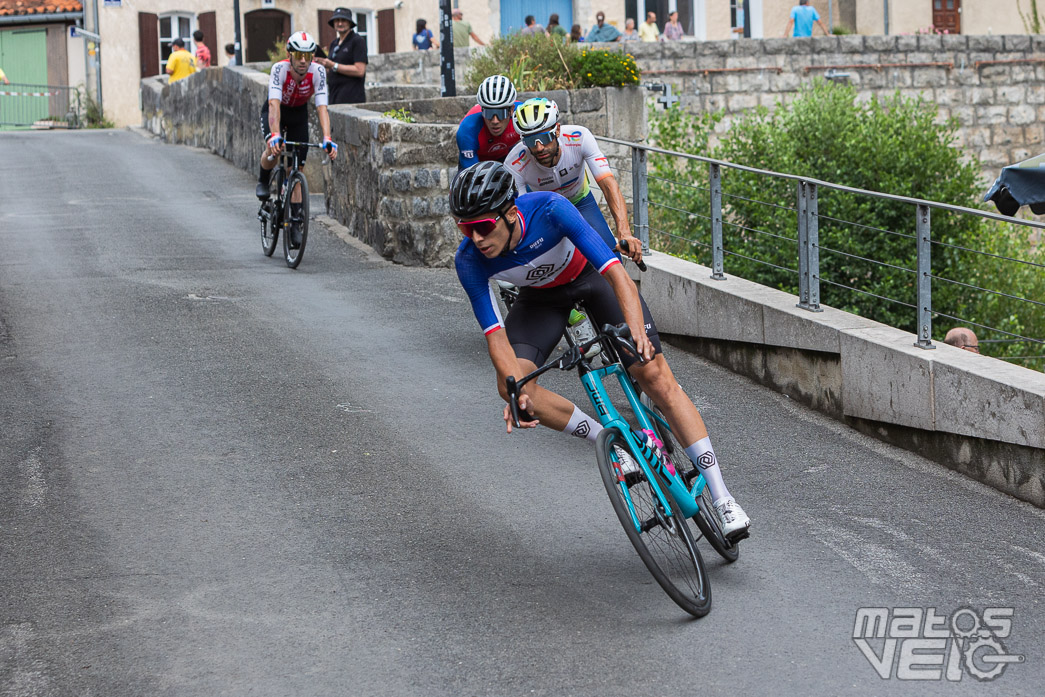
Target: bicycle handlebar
[619, 335]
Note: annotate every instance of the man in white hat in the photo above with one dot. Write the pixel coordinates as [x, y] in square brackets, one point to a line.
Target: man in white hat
[346, 66]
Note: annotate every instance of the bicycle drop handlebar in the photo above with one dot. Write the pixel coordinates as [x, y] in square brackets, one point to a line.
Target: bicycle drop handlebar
[619, 335]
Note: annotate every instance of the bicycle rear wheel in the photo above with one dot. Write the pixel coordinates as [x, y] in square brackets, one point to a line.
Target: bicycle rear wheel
[661, 537]
[707, 521]
[293, 256]
[270, 214]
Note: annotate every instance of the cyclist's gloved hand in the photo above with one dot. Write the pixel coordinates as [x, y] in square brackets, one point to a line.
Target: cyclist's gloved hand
[275, 142]
[331, 147]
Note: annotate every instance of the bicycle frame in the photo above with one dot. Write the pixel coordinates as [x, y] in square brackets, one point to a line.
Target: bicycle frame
[593, 381]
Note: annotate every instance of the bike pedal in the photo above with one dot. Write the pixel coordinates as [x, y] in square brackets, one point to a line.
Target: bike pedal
[739, 535]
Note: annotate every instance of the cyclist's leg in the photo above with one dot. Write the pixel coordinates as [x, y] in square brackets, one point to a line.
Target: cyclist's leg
[656, 380]
[295, 129]
[534, 326]
[267, 165]
[589, 208]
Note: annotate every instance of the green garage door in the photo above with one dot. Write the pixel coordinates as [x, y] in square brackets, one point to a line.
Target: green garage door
[23, 56]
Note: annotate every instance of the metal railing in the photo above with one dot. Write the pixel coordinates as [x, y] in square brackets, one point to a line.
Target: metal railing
[719, 219]
[41, 106]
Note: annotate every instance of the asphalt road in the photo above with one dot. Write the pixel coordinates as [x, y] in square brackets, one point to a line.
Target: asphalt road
[221, 476]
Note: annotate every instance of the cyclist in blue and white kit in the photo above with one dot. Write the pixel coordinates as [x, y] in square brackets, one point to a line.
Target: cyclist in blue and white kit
[540, 242]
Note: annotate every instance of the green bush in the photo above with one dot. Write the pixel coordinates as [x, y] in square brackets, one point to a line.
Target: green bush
[401, 114]
[535, 63]
[892, 145]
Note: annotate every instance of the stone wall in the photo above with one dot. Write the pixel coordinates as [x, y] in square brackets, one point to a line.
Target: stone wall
[993, 85]
[389, 183]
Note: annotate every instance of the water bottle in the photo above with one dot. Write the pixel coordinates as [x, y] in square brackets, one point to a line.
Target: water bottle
[581, 330]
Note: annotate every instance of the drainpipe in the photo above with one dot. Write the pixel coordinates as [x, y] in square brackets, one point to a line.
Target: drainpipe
[885, 8]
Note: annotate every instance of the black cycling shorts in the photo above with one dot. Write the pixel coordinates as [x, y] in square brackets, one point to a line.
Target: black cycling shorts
[538, 318]
[293, 122]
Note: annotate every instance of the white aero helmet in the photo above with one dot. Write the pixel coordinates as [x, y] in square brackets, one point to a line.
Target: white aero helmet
[300, 41]
[536, 115]
[496, 92]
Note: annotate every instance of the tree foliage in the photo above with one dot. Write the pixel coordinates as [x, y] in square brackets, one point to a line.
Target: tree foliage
[867, 252]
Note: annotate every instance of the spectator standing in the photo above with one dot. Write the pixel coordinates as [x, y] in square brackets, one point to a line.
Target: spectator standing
[602, 32]
[963, 338]
[346, 61]
[423, 38]
[629, 33]
[463, 31]
[673, 30]
[648, 31]
[181, 63]
[202, 52]
[554, 28]
[802, 18]
[531, 26]
[575, 34]
[230, 53]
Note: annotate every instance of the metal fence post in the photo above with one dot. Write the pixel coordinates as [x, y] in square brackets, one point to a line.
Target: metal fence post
[640, 197]
[808, 248]
[715, 180]
[813, 235]
[925, 293]
[803, 246]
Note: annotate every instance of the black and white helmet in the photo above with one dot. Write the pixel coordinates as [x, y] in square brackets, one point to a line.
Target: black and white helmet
[300, 41]
[482, 188]
[496, 92]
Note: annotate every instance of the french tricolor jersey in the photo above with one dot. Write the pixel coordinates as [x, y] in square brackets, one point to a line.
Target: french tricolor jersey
[476, 144]
[556, 244]
[578, 148]
[291, 92]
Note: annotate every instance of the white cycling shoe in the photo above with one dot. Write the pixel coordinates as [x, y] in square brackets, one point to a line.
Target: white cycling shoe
[734, 521]
[627, 463]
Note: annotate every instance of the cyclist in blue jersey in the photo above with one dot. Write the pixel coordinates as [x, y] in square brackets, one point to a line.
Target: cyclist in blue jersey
[540, 242]
[486, 132]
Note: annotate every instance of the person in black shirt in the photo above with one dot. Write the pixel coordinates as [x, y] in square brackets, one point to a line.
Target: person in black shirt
[346, 65]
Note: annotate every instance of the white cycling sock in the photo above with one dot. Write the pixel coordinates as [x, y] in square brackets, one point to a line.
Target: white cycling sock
[703, 456]
[582, 425]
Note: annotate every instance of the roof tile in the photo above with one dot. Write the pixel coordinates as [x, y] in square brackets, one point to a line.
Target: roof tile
[34, 7]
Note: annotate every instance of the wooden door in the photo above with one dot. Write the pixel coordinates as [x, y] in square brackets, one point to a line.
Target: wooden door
[207, 22]
[149, 43]
[947, 16]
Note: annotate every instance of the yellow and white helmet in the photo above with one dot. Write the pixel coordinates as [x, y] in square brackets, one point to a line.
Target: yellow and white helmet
[536, 115]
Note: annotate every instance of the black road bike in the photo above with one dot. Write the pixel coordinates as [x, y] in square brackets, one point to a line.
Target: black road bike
[275, 212]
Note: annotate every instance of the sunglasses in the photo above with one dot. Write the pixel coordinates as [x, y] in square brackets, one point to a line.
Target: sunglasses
[545, 138]
[301, 55]
[484, 227]
[500, 113]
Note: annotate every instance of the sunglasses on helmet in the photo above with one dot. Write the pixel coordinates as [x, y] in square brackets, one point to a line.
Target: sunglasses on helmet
[501, 113]
[483, 227]
[545, 138]
[301, 55]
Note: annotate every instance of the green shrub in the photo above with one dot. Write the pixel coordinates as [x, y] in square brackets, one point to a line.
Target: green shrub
[400, 114]
[535, 63]
[891, 145]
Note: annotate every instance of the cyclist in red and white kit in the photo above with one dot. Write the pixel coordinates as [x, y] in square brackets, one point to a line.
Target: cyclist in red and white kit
[285, 116]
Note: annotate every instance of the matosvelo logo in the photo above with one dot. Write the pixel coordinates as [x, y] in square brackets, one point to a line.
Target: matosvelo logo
[913, 643]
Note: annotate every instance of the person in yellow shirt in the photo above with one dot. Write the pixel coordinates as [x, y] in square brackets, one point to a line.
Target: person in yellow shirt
[3, 78]
[649, 31]
[181, 63]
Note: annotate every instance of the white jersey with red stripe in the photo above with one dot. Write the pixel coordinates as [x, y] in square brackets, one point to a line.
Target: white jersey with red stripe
[577, 148]
[293, 92]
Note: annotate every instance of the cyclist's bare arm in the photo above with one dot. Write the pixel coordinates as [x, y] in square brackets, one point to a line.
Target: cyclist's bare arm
[277, 146]
[547, 408]
[628, 298]
[630, 245]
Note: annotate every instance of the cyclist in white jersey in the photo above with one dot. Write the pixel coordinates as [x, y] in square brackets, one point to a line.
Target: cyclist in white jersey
[293, 81]
[561, 158]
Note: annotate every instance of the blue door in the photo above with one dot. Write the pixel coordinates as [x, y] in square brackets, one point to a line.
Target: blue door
[514, 11]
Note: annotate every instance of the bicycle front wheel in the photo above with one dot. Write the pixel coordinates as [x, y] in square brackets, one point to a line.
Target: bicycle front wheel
[291, 253]
[661, 537]
[706, 519]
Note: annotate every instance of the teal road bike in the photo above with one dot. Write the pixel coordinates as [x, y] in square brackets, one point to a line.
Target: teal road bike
[656, 491]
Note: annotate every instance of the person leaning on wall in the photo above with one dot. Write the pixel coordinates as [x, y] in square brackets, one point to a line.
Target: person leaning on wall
[346, 62]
